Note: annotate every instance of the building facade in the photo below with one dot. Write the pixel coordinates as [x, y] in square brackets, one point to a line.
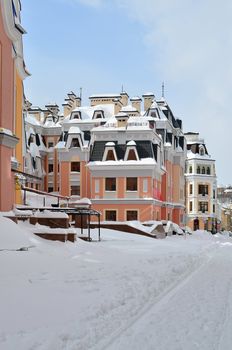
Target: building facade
[128, 158]
[12, 74]
[201, 186]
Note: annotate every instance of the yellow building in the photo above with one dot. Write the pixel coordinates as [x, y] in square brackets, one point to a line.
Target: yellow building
[201, 186]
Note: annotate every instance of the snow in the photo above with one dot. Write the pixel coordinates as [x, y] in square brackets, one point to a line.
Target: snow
[74, 130]
[191, 155]
[50, 214]
[131, 143]
[143, 161]
[6, 131]
[125, 292]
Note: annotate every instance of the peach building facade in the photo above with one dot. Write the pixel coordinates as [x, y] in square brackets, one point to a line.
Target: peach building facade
[129, 162]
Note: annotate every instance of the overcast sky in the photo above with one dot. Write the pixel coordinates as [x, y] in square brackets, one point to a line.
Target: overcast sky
[101, 44]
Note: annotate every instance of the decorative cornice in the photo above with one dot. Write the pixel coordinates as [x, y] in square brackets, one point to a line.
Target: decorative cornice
[7, 140]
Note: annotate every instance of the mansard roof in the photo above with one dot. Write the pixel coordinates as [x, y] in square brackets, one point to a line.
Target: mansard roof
[145, 149]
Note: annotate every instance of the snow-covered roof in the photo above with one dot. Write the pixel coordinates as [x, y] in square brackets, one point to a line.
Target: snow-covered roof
[128, 108]
[34, 150]
[74, 130]
[105, 95]
[131, 143]
[191, 155]
[31, 120]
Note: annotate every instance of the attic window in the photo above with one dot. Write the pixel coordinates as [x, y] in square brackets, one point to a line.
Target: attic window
[76, 116]
[131, 155]
[202, 151]
[75, 143]
[110, 155]
[98, 116]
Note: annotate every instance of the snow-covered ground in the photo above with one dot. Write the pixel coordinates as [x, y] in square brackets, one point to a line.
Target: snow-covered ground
[125, 292]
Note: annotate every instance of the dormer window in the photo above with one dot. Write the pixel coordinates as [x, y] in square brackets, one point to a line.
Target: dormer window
[98, 115]
[131, 151]
[201, 150]
[76, 115]
[109, 153]
[75, 143]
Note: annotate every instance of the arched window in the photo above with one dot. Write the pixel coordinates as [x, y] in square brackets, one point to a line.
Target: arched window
[208, 170]
[198, 170]
[190, 169]
[203, 170]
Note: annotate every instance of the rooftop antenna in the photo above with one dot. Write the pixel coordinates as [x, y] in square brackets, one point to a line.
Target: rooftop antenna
[80, 92]
[122, 88]
[162, 89]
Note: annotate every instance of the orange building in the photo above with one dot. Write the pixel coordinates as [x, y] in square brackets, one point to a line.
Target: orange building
[12, 73]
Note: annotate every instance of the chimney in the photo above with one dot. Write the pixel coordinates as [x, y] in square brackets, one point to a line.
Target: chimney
[136, 103]
[148, 99]
[53, 108]
[122, 119]
[124, 98]
[67, 109]
[117, 105]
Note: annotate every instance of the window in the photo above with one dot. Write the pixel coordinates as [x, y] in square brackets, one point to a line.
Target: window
[145, 185]
[203, 189]
[198, 170]
[97, 185]
[75, 143]
[50, 168]
[203, 207]
[131, 183]
[131, 215]
[131, 155]
[75, 166]
[157, 215]
[202, 151]
[208, 170]
[98, 116]
[190, 206]
[190, 189]
[50, 189]
[203, 170]
[213, 208]
[214, 194]
[110, 184]
[50, 144]
[110, 155]
[76, 116]
[75, 190]
[110, 215]
[190, 169]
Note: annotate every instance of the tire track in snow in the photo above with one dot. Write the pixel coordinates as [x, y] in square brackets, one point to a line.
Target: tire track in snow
[159, 301]
[187, 316]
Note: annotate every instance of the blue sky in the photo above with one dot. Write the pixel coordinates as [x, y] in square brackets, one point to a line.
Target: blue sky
[101, 44]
